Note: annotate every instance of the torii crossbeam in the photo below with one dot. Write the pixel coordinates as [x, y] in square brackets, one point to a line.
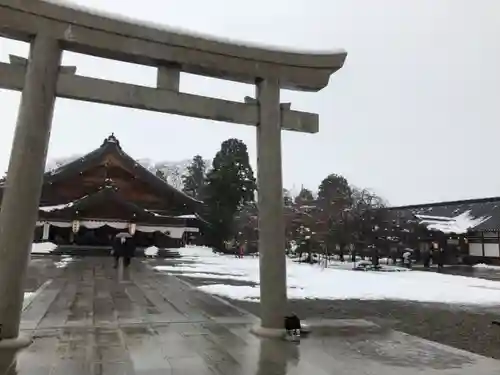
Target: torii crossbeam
[51, 27]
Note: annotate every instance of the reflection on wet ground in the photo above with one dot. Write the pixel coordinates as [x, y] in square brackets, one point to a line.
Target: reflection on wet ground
[41, 269]
[88, 320]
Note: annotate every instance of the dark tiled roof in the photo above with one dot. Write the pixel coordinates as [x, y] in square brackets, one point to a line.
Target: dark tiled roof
[111, 146]
[484, 207]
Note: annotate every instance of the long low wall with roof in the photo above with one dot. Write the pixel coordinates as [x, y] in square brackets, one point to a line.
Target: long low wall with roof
[485, 245]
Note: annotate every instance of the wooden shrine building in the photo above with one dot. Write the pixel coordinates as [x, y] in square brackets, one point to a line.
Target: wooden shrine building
[476, 221]
[88, 201]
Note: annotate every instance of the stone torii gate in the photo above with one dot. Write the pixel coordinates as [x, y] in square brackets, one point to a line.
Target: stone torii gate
[51, 28]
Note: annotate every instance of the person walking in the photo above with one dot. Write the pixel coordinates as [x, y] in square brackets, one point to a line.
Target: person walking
[123, 247]
[375, 257]
[129, 250]
[242, 249]
[426, 257]
[117, 251]
[407, 259]
[440, 258]
[394, 255]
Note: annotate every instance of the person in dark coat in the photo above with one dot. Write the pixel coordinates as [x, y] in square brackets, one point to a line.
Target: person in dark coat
[129, 250]
[375, 257]
[394, 255]
[123, 246]
[426, 257]
[117, 250]
[440, 258]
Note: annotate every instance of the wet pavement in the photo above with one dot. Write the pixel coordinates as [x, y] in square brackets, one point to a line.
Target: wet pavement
[86, 318]
[42, 269]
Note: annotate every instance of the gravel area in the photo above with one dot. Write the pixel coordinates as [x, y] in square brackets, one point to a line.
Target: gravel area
[464, 328]
[196, 281]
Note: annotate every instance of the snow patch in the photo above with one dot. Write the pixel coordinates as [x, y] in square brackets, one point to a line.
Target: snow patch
[486, 266]
[459, 224]
[334, 283]
[187, 217]
[28, 297]
[180, 31]
[63, 263]
[43, 248]
[151, 251]
[56, 207]
[154, 213]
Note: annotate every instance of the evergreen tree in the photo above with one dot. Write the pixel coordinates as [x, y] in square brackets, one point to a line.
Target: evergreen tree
[230, 185]
[334, 204]
[194, 178]
[334, 192]
[305, 197]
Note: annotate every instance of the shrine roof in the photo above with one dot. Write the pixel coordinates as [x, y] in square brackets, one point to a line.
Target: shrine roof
[483, 213]
[111, 146]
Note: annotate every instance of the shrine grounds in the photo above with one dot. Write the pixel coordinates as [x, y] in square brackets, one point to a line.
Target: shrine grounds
[451, 309]
[194, 314]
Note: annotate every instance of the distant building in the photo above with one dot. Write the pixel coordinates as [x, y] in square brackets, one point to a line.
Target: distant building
[89, 200]
[477, 220]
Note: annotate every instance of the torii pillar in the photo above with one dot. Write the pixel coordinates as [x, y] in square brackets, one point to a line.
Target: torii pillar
[25, 178]
[272, 268]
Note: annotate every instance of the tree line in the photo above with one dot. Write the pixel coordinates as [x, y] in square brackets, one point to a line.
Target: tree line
[226, 188]
[337, 219]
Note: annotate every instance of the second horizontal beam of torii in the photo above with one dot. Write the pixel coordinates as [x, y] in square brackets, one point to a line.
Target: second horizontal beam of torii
[71, 86]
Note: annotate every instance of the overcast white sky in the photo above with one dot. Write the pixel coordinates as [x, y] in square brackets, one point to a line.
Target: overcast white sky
[413, 115]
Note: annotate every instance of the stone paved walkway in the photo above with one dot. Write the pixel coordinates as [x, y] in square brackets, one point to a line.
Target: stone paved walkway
[88, 320]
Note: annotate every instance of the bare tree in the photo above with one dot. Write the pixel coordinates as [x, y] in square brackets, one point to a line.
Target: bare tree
[171, 174]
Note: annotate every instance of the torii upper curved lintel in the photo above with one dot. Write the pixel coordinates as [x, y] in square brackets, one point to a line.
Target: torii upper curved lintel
[109, 36]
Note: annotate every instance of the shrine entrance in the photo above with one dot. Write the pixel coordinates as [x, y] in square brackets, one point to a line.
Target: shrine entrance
[52, 28]
[101, 234]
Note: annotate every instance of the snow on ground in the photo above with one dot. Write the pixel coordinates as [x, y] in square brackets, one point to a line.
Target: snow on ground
[486, 266]
[43, 248]
[63, 263]
[28, 297]
[314, 282]
[151, 251]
